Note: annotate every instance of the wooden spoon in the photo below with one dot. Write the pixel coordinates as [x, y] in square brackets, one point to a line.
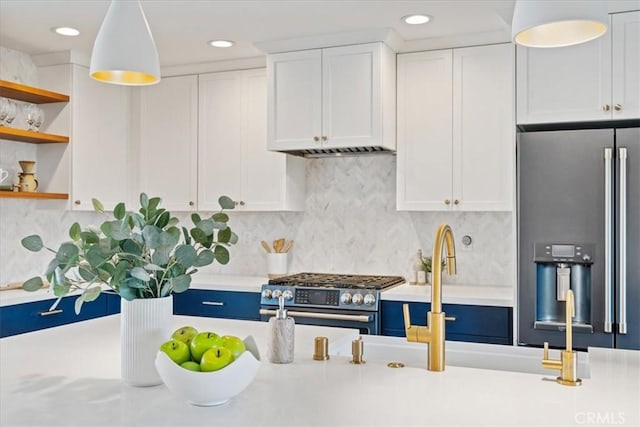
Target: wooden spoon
[278, 245]
[266, 247]
[287, 247]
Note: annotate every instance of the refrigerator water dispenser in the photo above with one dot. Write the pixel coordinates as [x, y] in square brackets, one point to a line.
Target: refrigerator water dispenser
[560, 267]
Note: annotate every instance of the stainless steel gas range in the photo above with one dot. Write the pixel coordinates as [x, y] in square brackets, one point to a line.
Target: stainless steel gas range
[340, 300]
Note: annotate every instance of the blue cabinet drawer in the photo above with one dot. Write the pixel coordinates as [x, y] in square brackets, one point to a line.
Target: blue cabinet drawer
[474, 323]
[32, 316]
[227, 304]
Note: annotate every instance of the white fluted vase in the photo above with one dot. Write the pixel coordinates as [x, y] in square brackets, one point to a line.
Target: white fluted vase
[144, 325]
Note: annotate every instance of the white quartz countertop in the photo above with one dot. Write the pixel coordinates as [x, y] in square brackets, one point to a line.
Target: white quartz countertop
[453, 294]
[69, 376]
[199, 281]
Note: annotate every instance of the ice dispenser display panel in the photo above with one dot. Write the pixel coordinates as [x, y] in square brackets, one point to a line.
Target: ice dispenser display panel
[560, 267]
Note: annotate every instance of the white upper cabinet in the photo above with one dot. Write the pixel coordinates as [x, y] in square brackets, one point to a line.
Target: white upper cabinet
[233, 156]
[597, 80]
[331, 98]
[294, 111]
[625, 103]
[167, 152]
[456, 132]
[425, 130]
[483, 128]
[100, 142]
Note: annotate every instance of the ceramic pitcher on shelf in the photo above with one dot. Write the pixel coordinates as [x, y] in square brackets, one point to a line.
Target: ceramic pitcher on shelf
[28, 182]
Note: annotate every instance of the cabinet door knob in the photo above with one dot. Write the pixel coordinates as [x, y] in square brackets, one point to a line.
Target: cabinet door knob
[606, 107]
[316, 138]
[447, 201]
[77, 202]
[241, 202]
[617, 107]
[324, 138]
[456, 202]
[191, 204]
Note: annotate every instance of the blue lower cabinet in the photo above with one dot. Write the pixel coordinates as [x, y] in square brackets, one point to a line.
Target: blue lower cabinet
[32, 316]
[474, 323]
[113, 303]
[226, 304]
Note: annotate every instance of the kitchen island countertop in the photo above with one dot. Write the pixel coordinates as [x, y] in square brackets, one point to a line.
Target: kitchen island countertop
[69, 376]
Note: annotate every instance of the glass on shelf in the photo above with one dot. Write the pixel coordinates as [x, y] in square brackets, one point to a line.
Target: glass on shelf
[8, 111]
[34, 116]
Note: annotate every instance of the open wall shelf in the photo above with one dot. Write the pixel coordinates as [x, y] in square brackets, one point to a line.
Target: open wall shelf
[22, 135]
[25, 93]
[35, 195]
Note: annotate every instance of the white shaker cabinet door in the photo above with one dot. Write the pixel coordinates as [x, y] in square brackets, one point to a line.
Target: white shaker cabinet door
[483, 128]
[271, 181]
[167, 154]
[100, 142]
[425, 119]
[567, 84]
[294, 111]
[233, 155]
[626, 65]
[220, 149]
[351, 89]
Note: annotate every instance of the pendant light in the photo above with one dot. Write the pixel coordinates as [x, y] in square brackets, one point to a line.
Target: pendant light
[558, 23]
[124, 52]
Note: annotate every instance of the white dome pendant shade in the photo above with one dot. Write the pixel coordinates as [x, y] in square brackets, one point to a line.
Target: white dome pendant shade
[558, 23]
[124, 52]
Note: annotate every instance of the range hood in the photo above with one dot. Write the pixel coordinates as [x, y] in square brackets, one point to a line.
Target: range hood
[314, 153]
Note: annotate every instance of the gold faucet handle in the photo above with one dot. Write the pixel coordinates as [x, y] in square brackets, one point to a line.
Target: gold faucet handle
[545, 354]
[407, 319]
[550, 363]
[410, 331]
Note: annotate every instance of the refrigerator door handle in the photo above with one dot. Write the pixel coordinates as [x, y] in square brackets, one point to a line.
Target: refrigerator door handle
[608, 250]
[622, 260]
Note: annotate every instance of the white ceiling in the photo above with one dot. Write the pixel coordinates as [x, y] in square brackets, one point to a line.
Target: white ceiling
[181, 28]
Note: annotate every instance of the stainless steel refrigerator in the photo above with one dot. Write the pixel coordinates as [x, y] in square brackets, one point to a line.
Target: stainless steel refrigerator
[579, 229]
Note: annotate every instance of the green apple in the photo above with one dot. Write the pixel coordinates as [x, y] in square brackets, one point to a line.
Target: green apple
[191, 365]
[215, 359]
[233, 343]
[202, 342]
[185, 334]
[176, 350]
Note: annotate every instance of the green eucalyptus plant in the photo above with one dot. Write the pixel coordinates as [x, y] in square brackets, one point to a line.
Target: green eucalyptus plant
[137, 254]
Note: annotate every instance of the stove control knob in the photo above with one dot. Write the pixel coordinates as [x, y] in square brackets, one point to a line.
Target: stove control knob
[276, 294]
[288, 295]
[345, 298]
[358, 299]
[369, 299]
[266, 294]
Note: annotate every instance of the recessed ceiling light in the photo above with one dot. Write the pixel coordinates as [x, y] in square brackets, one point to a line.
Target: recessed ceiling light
[221, 43]
[66, 31]
[416, 19]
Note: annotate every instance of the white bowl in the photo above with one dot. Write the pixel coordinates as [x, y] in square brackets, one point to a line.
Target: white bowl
[210, 388]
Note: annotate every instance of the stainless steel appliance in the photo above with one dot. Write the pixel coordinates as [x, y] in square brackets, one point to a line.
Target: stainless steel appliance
[579, 229]
[340, 300]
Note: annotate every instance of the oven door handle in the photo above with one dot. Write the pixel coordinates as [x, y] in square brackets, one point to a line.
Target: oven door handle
[326, 316]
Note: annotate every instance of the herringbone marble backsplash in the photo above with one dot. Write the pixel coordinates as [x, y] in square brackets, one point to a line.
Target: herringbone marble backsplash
[350, 225]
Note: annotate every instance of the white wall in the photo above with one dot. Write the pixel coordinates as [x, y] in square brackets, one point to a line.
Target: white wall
[350, 225]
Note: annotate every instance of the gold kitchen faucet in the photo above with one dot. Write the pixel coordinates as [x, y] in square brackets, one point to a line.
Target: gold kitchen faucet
[434, 333]
[568, 363]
